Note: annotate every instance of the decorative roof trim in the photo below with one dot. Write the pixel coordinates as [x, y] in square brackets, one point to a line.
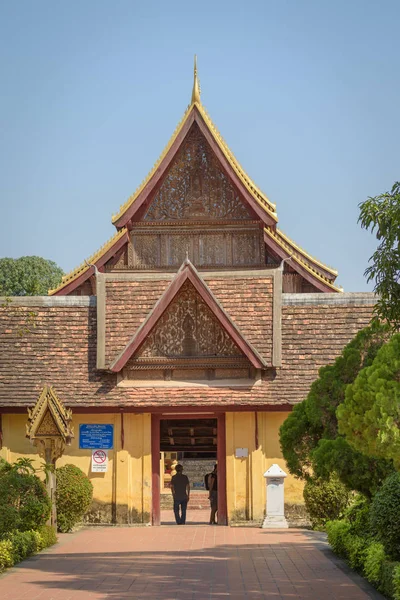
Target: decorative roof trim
[250, 186]
[255, 191]
[301, 262]
[98, 259]
[187, 272]
[303, 252]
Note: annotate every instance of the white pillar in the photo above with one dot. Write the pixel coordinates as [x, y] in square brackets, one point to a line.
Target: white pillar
[275, 508]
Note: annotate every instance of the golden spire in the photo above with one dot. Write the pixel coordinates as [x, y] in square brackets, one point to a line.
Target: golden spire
[196, 85]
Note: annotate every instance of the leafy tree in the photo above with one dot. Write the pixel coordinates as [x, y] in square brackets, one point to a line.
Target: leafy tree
[309, 437]
[382, 215]
[28, 276]
[370, 415]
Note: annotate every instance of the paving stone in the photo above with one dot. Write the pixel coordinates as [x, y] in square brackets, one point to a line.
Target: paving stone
[185, 563]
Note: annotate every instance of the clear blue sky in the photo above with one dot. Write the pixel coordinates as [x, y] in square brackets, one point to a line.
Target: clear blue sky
[305, 92]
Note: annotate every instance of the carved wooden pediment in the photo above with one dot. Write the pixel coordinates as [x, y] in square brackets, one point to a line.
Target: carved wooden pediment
[187, 323]
[196, 187]
[188, 329]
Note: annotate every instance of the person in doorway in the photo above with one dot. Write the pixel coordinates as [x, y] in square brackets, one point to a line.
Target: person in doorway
[213, 496]
[180, 487]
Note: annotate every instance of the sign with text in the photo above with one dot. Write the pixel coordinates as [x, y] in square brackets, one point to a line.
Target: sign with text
[99, 461]
[96, 436]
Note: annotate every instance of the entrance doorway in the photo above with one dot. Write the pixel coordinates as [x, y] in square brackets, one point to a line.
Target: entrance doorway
[197, 441]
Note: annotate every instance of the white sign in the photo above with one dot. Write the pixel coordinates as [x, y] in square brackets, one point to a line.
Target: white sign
[99, 461]
[242, 452]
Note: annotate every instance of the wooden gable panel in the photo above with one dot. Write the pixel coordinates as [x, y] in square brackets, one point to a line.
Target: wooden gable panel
[188, 329]
[196, 187]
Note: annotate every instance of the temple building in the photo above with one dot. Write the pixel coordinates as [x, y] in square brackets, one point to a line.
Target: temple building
[189, 336]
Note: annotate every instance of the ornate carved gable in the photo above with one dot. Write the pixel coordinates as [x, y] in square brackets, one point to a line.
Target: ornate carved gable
[49, 418]
[188, 329]
[49, 425]
[196, 187]
[187, 323]
[198, 199]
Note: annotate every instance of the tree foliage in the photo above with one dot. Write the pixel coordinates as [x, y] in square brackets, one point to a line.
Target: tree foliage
[23, 498]
[381, 215]
[309, 437]
[384, 516]
[28, 276]
[370, 415]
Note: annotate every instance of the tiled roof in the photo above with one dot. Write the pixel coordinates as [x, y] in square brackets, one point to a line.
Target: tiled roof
[61, 351]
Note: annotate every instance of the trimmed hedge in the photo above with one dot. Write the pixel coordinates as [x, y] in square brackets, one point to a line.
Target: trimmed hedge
[337, 533]
[74, 495]
[374, 559]
[19, 545]
[367, 556]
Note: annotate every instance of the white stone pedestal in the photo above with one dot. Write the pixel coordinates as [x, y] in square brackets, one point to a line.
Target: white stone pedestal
[275, 507]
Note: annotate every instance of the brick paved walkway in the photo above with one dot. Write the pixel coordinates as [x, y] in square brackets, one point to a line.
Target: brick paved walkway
[182, 563]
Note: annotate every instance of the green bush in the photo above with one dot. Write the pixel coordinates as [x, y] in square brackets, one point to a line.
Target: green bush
[23, 498]
[74, 495]
[47, 535]
[374, 558]
[396, 582]
[20, 544]
[325, 500]
[386, 584]
[24, 543]
[6, 559]
[337, 533]
[358, 515]
[384, 517]
[356, 549]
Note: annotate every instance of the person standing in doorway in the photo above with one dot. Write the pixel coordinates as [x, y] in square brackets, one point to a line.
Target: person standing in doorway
[213, 486]
[180, 487]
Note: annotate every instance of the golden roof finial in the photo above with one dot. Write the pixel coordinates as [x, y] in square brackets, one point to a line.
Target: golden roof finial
[196, 85]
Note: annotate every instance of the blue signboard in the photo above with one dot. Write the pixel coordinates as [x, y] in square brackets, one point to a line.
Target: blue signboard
[96, 437]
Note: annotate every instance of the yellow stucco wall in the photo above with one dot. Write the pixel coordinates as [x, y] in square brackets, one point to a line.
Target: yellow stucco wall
[127, 482]
[246, 487]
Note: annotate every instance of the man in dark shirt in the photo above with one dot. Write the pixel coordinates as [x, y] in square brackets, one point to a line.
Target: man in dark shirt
[181, 492]
[213, 496]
